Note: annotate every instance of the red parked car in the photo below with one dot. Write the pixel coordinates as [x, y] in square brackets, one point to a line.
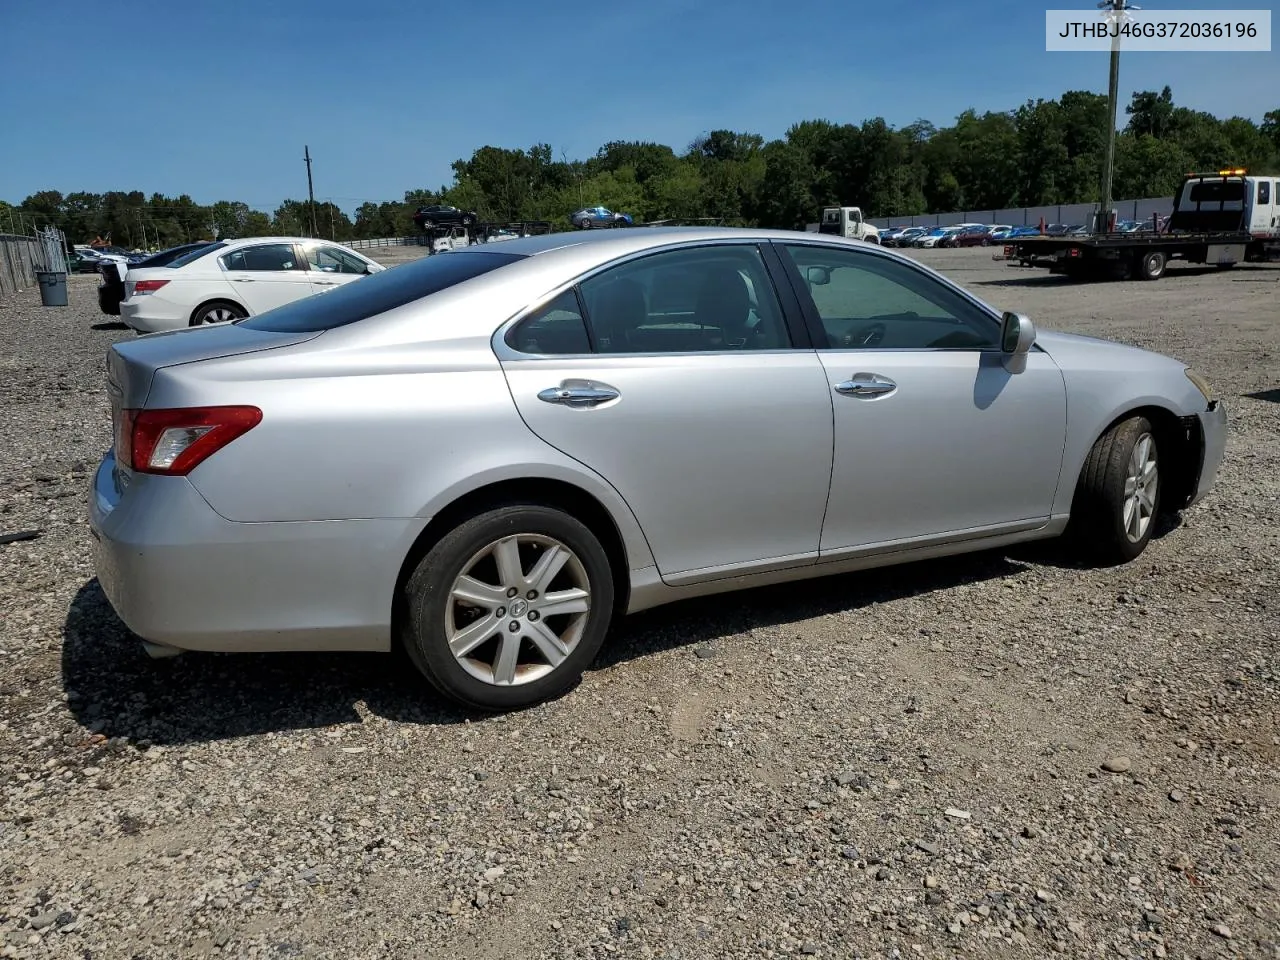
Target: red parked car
[971, 237]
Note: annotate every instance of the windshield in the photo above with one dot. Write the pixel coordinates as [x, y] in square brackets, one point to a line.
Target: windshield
[380, 292]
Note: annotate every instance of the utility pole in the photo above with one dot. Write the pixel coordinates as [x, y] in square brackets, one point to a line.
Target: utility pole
[311, 194]
[1116, 16]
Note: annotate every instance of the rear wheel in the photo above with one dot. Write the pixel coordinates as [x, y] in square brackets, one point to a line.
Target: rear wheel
[220, 311]
[1117, 498]
[1151, 265]
[509, 608]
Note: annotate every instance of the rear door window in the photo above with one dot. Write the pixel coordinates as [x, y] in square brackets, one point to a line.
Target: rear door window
[266, 257]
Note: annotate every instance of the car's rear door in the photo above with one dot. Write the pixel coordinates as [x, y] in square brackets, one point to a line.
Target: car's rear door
[264, 276]
[677, 378]
[934, 438]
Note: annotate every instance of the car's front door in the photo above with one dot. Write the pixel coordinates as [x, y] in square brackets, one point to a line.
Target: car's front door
[933, 436]
[331, 266]
[267, 275]
[673, 377]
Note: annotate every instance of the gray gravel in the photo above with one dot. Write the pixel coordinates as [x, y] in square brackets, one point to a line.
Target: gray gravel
[994, 755]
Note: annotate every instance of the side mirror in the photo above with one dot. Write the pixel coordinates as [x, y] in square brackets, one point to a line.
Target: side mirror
[1017, 334]
[818, 276]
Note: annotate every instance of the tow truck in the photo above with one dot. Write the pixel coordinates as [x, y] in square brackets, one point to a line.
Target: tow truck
[1221, 218]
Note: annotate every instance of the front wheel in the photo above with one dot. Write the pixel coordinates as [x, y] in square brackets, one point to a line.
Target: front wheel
[509, 608]
[1117, 498]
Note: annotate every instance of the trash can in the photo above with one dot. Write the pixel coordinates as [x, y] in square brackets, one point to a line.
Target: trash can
[53, 288]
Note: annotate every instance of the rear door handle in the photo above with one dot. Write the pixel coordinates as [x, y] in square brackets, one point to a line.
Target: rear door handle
[324, 283]
[866, 385]
[243, 279]
[579, 393]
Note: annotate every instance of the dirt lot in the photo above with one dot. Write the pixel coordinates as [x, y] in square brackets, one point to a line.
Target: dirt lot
[901, 763]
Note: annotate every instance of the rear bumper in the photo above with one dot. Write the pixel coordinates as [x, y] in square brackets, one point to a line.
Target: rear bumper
[150, 314]
[109, 300]
[1213, 432]
[180, 575]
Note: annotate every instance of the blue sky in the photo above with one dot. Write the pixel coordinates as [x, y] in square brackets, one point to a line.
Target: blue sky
[216, 99]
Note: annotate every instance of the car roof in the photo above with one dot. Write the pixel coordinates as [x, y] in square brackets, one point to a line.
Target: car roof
[643, 238]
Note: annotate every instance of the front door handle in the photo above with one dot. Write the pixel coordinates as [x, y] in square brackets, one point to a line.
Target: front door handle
[579, 393]
[324, 283]
[866, 385]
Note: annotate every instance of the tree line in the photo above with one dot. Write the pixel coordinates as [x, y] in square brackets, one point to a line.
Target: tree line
[1043, 152]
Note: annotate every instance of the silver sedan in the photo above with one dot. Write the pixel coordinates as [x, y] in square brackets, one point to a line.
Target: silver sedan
[486, 457]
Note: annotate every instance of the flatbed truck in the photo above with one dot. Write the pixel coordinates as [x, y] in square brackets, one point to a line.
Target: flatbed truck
[1221, 218]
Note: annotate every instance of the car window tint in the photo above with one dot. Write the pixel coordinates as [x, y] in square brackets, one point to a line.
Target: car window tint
[555, 328]
[328, 259]
[873, 301]
[1264, 191]
[379, 292]
[268, 257]
[713, 298]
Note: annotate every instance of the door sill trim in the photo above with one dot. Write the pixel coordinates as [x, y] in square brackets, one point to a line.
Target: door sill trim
[702, 574]
[930, 540]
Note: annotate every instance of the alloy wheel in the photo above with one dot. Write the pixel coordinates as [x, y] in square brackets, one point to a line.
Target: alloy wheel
[517, 610]
[1140, 486]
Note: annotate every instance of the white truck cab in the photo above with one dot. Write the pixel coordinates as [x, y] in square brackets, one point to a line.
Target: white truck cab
[847, 222]
[1230, 200]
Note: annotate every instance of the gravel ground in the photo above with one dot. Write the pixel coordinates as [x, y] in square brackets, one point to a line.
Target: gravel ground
[997, 755]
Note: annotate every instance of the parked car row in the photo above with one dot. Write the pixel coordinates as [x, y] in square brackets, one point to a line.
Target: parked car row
[984, 234]
[955, 235]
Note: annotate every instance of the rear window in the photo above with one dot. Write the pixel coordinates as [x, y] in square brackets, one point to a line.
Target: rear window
[1217, 191]
[186, 258]
[378, 293]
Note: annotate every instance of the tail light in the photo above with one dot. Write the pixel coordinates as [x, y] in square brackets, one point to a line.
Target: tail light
[148, 286]
[174, 442]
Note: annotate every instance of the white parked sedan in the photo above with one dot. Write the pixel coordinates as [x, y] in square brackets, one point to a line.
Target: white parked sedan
[233, 279]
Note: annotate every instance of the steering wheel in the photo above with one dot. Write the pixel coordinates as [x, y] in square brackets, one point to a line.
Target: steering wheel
[869, 336]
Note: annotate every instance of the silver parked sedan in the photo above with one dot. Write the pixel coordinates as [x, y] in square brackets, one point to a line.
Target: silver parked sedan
[487, 456]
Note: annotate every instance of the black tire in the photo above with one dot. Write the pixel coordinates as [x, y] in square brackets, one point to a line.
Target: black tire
[1098, 526]
[217, 311]
[1151, 265]
[428, 603]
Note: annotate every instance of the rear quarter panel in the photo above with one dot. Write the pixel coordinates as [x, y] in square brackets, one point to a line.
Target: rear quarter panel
[386, 430]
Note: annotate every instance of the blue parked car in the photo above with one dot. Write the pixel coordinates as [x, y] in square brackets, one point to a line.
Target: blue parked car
[589, 217]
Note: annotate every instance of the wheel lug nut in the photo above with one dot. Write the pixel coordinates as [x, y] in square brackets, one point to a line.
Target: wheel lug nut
[533, 615]
[512, 591]
[500, 612]
[515, 627]
[532, 594]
